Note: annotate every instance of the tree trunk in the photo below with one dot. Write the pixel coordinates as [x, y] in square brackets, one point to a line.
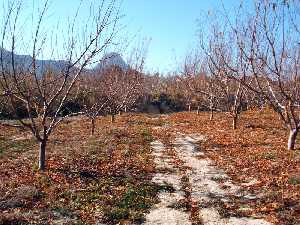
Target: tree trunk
[42, 155]
[125, 109]
[211, 114]
[198, 110]
[112, 118]
[120, 113]
[234, 122]
[93, 126]
[292, 139]
[189, 108]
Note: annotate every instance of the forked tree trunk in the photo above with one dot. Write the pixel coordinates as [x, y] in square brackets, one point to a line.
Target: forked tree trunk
[93, 126]
[112, 118]
[292, 139]
[42, 155]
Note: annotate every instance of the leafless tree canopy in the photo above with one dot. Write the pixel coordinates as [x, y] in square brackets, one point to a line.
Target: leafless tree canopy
[43, 93]
[247, 60]
[260, 53]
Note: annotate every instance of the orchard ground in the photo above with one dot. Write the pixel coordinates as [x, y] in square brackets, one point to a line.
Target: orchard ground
[109, 177]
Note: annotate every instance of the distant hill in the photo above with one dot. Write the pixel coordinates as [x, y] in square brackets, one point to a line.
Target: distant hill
[111, 59]
[24, 61]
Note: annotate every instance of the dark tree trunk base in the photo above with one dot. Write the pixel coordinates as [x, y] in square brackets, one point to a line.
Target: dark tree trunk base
[93, 126]
[42, 155]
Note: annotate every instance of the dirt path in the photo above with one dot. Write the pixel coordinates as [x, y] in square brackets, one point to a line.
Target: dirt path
[164, 213]
[204, 189]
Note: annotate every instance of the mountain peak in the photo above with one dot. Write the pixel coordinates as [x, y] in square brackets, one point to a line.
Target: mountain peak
[25, 62]
[112, 59]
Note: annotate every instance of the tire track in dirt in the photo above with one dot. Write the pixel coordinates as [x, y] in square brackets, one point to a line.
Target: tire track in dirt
[163, 213]
[201, 178]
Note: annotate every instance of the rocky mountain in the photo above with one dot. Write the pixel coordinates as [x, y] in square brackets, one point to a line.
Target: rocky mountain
[111, 59]
[25, 61]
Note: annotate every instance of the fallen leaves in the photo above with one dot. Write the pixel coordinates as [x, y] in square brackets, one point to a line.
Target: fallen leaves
[256, 150]
[106, 177]
[90, 178]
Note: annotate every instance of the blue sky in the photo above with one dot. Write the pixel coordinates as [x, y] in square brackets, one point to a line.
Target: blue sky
[171, 24]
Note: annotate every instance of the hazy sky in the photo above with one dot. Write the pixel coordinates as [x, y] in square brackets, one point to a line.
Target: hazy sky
[171, 24]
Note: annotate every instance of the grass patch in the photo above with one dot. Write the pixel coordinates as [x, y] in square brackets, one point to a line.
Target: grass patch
[294, 180]
[135, 201]
[147, 135]
[268, 155]
[219, 179]
[8, 146]
[65, 212]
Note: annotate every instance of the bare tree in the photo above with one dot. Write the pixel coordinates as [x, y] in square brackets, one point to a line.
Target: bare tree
[273, 51]
[267, 54]
[268, 42]
[133, 80]
[228, 91]
[122, 89]
[189, 81]
[91, 95]
[210, 95]
[43, 93]
[208, 83]
[132, 89]
[202, 84]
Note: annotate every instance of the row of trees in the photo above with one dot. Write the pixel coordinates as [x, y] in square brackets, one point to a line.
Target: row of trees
[253, 61]
[249, 60]
[112, 92]
[259, 53]
[43, 95]
[41, 98]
